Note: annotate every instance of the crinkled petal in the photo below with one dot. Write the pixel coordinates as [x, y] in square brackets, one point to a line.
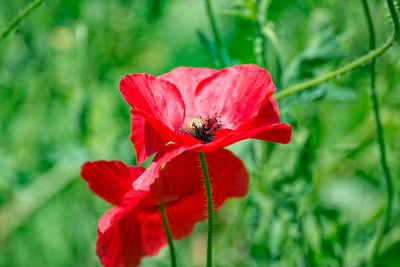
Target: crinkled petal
[152, 230]
[234, 95]
[277, 133]
[108, 246]
[166, 154]
[186, 80]
[228, 177]
[134, 229]
[119, 241]
[146, 139]
[180, 187]
[180, 176]
[110, 179]
[268, 114]
[154, 98]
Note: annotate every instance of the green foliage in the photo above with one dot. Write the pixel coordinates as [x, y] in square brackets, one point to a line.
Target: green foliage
[315, 202]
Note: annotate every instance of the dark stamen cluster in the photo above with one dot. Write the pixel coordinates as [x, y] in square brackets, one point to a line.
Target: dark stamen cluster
[202, 130]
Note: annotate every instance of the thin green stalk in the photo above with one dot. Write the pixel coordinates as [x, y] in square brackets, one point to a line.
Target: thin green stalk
[260, 39]
[209, 208]
[259, 47]
[168, 234]
[14, 23]
[269, 33]
[331, 75]
[381, 142]
[395, 19]
[217, 36]
[264, 32]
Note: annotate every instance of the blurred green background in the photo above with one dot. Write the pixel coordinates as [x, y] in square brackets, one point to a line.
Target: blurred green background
[317, 201]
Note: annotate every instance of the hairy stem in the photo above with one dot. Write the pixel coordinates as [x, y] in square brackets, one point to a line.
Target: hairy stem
[395, 18]
[217, 37]
[331, 75]
[381, 142]
[168, 234]
[14, 23]
[209, 208]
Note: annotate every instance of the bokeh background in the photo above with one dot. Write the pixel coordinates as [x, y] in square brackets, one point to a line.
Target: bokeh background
[317, 201]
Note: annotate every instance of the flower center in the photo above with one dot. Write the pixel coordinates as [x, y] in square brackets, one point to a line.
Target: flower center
[204, 130]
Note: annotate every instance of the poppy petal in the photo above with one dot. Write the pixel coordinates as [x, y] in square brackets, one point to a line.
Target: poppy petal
[108, 245]
[134, 229]
[268, 114]
[180, 176]
[145, 138]
[165, 155]
[265, 126]
[152, 230]
[228, 177]
[120, 239]
[186, 80]
[154, 98]
[277, 133]
[110, 179]
[234, 95]
[186, 198]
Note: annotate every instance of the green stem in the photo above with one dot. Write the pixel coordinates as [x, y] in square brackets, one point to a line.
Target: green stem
[358, 62]
[260, 39]
[279, 69]
[381, 142]
[32, 6]
[209, 208]
[217, 37]
[270, 34]
[168, 234]
[395, 19]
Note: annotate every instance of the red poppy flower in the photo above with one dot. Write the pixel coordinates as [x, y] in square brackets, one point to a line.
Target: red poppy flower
[202, 109]
[133, 228]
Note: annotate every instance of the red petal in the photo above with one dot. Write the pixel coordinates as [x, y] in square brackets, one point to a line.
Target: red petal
[180, 186]
[155, 98]
[165, 155]
[268, 114]
[152, 230]
[133, 230]
[234, 95]
[186, 80]
[119, 241]
[108, 245]
[265, 126]
[124, 237]
[228, 177]
[185, 213]
[180, 176]
[277, 133]
[145, 138]
[110, 179]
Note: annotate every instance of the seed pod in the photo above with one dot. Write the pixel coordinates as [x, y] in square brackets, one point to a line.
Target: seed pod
[196, 124]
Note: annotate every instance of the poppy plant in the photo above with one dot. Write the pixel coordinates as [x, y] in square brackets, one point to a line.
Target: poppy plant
[133, 228]
[200, 109]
